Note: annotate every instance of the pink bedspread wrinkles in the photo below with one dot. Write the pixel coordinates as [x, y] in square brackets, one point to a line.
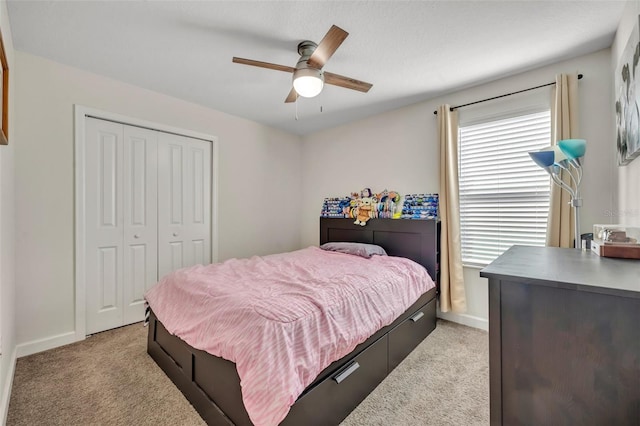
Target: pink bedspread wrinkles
[284, 318]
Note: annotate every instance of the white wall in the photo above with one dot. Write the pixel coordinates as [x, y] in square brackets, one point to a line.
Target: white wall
[628, 207]
[259, 171]
[392, 150]
[398, 150]
[7, 236]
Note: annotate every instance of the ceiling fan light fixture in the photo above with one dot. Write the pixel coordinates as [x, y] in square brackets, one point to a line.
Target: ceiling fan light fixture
[308, 74]
[308, 82]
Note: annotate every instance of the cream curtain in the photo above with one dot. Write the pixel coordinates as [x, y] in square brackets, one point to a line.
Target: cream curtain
[564, 125]
[452, 294]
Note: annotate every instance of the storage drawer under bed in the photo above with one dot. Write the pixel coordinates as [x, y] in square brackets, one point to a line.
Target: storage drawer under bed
[172, 346]
[339, 393]
[409, 333]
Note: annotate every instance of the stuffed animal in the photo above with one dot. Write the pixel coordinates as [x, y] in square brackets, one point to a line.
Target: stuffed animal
[366, 193]
[364, 210]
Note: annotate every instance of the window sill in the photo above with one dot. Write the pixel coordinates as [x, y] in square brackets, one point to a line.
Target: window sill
[474, 266]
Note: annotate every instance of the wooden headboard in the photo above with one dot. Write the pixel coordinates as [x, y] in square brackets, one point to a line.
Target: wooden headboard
[418, 240]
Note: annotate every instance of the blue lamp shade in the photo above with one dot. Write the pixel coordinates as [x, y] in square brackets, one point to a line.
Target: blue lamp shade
[573, 148]
[543, 159]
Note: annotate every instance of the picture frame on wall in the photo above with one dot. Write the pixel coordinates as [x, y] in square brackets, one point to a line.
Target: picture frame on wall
[4, 112]
[627, 95]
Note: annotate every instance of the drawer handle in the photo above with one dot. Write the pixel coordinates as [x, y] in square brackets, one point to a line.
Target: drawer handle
[417, 316]
[346, 372]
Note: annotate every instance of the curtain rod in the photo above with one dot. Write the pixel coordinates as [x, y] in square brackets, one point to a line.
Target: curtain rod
[502, 96]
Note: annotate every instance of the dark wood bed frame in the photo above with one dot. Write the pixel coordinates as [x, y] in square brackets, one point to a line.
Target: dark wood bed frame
[212, 384]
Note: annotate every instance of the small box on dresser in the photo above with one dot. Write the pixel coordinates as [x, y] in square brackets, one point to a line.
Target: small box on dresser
[613, 240]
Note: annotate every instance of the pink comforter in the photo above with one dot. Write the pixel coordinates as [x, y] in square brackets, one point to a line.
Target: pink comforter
[284, 318]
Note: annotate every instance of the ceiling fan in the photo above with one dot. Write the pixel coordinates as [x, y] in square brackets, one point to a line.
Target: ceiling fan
[308, 75]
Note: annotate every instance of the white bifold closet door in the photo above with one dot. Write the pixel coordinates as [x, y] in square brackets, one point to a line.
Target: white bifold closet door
[145, 216]
[184, 219]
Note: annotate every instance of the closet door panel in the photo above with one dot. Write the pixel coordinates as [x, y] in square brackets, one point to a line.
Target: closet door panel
[199, 252]
[140, 219]
[184, 200]
[199, 202]
[177, 256]
[171, 164]
[104, 224]
[176, 186]
[108, 279]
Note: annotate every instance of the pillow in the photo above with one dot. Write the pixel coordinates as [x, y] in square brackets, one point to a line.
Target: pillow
[357, 249]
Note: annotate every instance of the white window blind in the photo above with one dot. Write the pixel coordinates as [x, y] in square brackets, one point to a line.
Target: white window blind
[504, 195]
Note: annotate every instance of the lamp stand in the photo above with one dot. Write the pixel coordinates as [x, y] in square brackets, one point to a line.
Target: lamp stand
[576, 203]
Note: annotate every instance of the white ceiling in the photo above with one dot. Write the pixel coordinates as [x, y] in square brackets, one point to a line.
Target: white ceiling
[411, 51]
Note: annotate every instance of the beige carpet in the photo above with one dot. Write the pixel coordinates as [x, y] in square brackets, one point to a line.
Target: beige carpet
[445, 381]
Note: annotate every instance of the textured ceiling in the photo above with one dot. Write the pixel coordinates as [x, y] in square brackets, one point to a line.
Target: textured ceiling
[410, 51]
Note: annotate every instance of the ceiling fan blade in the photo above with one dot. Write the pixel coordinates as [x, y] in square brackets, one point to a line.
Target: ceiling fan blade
[263, 64]
[327, 47]
[293, 95]
[346, 82]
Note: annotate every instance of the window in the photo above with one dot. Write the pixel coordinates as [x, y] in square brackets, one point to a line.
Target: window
[504, 196]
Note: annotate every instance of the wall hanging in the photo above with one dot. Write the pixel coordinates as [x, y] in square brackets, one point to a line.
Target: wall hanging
[4, 113]
[627, 104]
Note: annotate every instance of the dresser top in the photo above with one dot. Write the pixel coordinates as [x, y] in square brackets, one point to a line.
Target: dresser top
[566, 268]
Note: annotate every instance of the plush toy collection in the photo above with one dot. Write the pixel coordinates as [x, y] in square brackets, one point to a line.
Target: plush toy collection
[368, 205]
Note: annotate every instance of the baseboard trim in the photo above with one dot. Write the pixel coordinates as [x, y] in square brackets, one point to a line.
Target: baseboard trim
[7, 386]
[465, 319]
[35, 346]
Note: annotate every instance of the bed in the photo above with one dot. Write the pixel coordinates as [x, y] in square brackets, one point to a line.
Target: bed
[212, 383]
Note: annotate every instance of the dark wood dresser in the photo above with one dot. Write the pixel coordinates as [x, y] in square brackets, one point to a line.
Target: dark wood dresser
[564, 338]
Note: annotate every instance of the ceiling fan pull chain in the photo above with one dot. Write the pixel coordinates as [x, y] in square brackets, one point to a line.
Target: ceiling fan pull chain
[296, 108]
